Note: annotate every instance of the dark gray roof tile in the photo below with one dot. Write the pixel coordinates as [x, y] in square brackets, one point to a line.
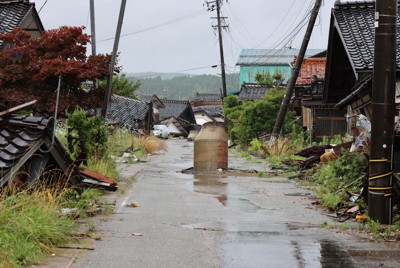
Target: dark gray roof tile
[251, 92]
[127, 112]
[173, 108]
[355, 22]
[17, 139]
[207, 97]
[213, 110]
[12, 13]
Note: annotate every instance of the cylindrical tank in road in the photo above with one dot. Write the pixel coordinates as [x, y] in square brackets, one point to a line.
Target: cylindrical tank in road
[211, 148]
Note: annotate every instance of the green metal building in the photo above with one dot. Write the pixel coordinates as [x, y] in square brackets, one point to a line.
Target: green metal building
[254, 61]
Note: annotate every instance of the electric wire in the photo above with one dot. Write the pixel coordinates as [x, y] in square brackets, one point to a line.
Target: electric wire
[288, 38]
[173, 21]
[239, 22]
[280, 23]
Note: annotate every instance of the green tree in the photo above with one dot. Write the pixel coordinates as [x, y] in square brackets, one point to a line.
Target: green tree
[123, 86]
[264, 79]
[249, 120]
[278, 78]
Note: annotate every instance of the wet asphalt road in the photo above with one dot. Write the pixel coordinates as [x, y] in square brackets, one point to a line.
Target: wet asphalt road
[224, 220]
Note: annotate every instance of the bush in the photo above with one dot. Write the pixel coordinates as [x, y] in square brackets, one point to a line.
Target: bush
[334, 175]
[249, 120]
[87, 136]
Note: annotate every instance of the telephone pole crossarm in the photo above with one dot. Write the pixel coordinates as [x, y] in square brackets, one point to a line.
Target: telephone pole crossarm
[216, 5]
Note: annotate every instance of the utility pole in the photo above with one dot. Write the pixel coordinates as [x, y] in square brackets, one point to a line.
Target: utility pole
[295, 73]
[113, 59]
[380, 189]
[93, 27]
[211, 5]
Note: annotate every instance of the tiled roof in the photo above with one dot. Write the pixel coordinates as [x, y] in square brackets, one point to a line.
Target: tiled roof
[173, 108]
[177, 123]
[309, 68]
[12, 14]
[151, 98]
[20, 137]
[207, 97]
[264, 57]
[355, 22]
[146, 97]
[362, 86]
[213, 110]
[127, 112]
[26, 149]
[251, 92]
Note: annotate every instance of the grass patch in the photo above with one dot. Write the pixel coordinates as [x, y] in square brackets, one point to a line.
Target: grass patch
[150, 144]
[105, 166]
[30, 227]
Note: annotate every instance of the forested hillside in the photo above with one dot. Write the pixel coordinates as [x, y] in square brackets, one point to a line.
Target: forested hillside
[185, 87]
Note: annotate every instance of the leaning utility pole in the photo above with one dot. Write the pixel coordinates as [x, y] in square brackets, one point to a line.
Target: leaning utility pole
[93, 27]
[380, 189]
[219, 27]
[295, 73]
[113, 59]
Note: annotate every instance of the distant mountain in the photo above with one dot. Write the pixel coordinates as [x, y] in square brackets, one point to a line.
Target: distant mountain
[183, 86]
[163, 76]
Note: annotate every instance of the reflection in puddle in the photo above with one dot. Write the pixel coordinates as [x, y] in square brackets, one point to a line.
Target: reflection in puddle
[226, 194]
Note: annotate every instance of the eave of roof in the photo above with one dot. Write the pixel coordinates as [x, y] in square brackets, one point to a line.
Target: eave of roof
[354, 22]
[358, 89]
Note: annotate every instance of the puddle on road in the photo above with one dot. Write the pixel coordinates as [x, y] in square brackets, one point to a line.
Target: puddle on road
[228, 195]
[265, 244]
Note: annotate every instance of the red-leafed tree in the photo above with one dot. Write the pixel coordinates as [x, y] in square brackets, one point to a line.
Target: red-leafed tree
[30, 67]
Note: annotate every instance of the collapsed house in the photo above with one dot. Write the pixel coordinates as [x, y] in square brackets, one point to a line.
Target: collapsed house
[208, 107]
[130, 113]
[178, 116]
[30, 153]
[157, 104]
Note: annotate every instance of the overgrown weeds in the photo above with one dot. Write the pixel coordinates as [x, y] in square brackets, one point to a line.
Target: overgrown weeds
[337, 178]
[31, 226]
[150, 144]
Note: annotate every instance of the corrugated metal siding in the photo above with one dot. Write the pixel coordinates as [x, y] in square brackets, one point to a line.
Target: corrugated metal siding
[271, 56]
[248, 73]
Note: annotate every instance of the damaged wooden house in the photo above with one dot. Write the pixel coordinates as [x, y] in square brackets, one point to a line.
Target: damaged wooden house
[208, 107]
[130, 113]
[350, 58]
[178, 116]
[157, 104]
[321, 119]
[31, 153]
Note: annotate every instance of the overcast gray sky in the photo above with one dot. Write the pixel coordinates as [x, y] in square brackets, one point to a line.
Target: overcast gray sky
[176, 35]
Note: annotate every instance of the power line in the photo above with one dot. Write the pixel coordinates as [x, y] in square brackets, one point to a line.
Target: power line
[45, 2]
[289, 37]
[280, 23]
[237, 19]
[183, 18]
